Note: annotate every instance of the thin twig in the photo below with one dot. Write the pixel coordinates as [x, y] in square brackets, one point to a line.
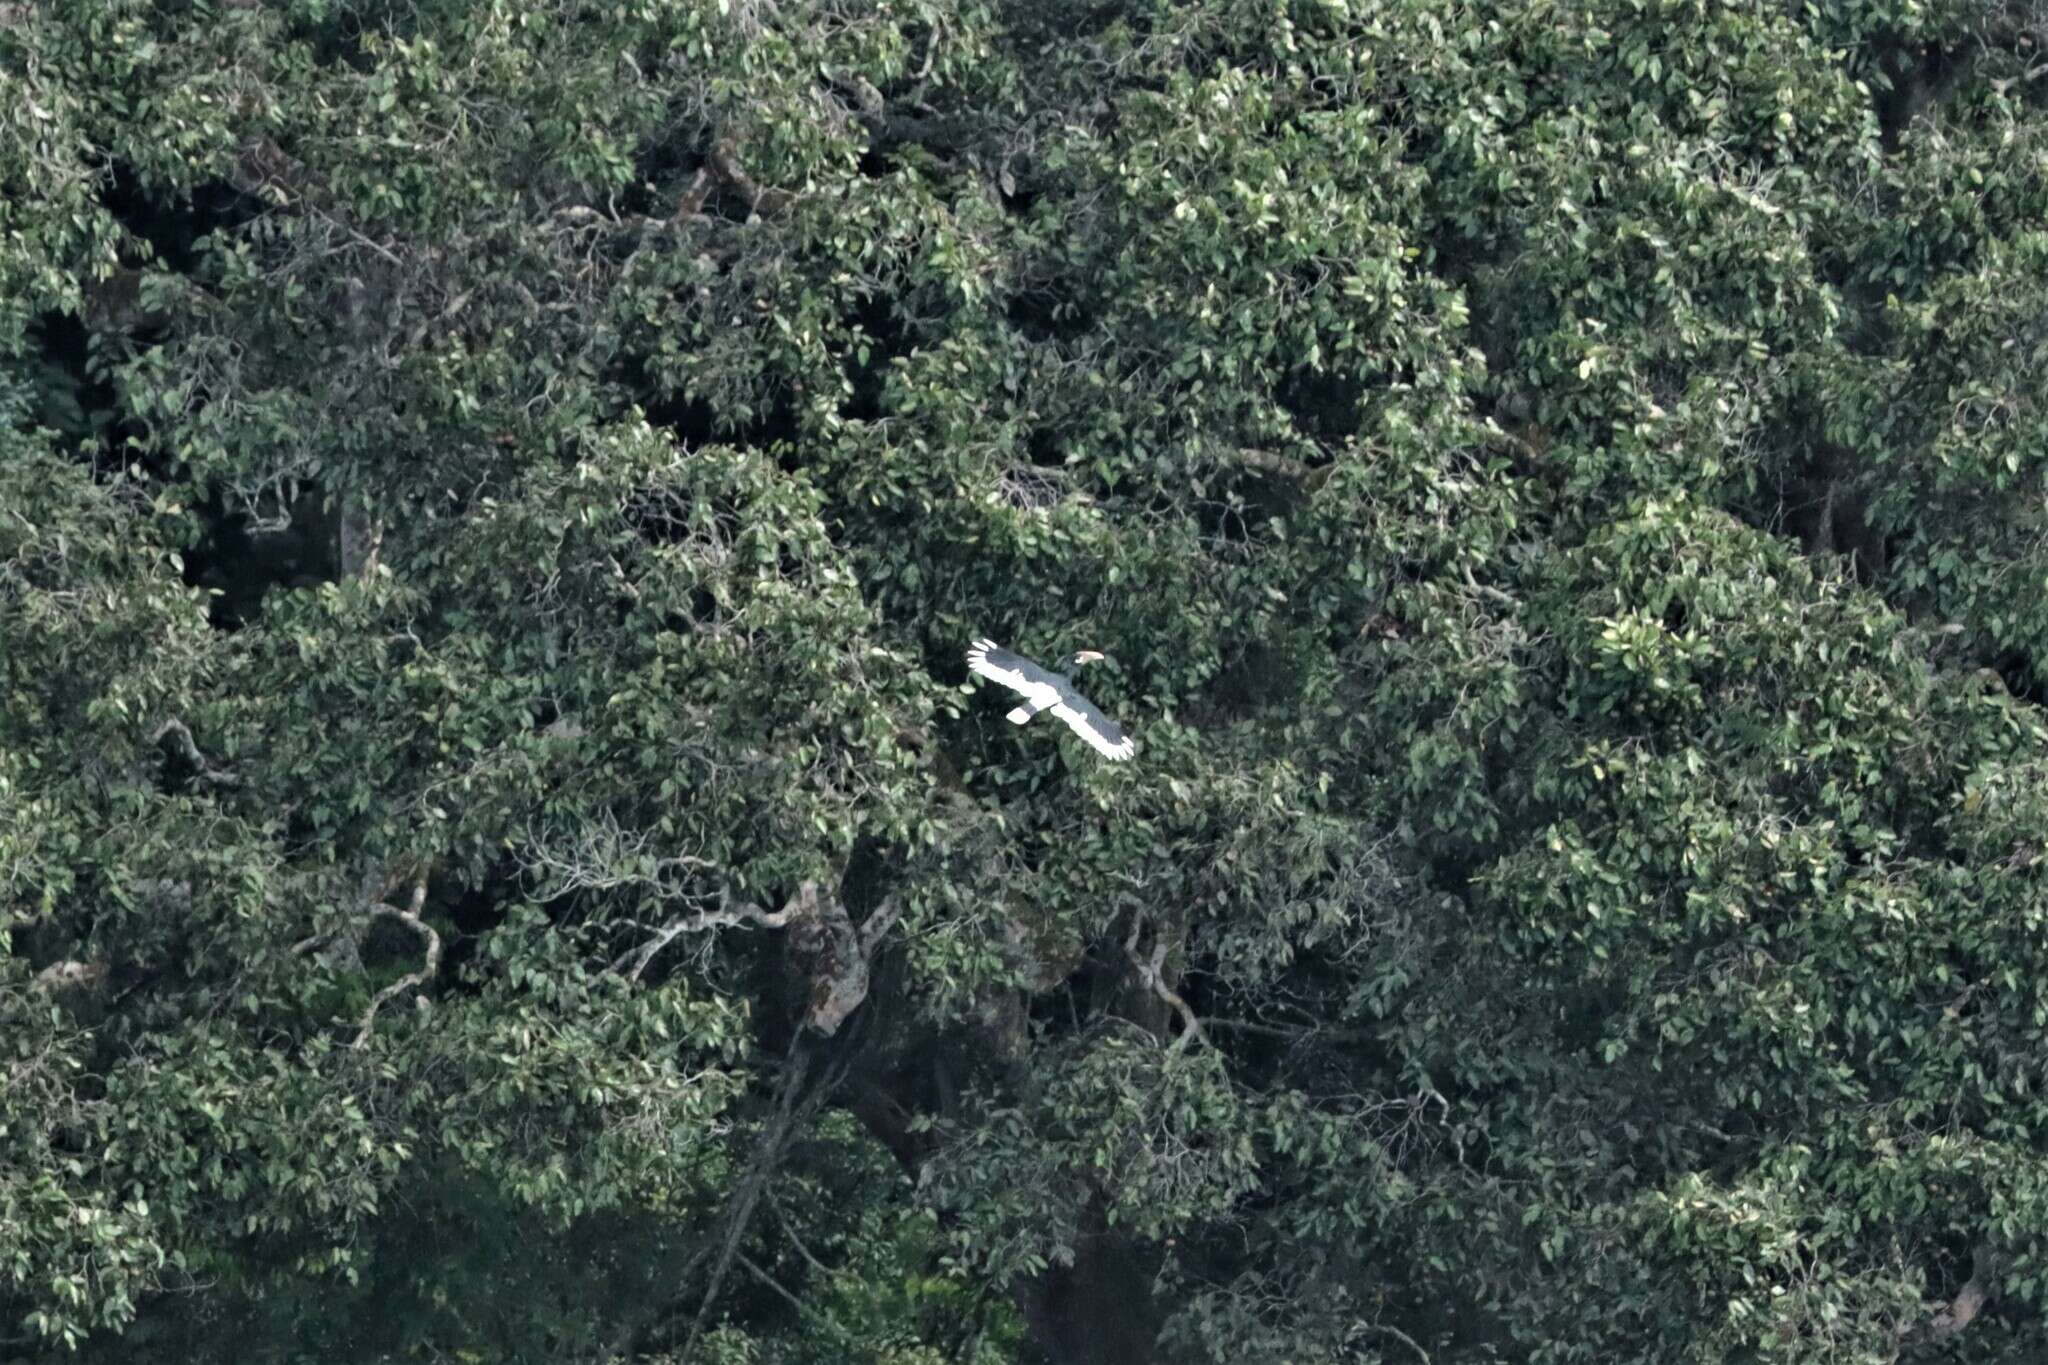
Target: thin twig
[365, 239]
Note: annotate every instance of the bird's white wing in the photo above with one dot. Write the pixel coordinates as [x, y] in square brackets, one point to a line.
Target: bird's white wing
[1103, 735]
[989, 659]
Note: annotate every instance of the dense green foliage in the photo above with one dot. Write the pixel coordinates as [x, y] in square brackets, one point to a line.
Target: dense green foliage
[498, 858]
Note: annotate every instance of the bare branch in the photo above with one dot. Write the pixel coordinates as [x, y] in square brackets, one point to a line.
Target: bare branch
[782, 1218]
[747, 1264]
[410, 917]
[831, 952]
[71, 973]
[1150, 976]
[189, 749]
[761, 199]
[795, 1103]
[876, 925]
[691, 202]
[1398, 1335]
[362, 238]
[725, 915]
[931, 50]
[1278, 465]
[836, 956]
[606, 857]
[1484, 591]
[1307, 1033]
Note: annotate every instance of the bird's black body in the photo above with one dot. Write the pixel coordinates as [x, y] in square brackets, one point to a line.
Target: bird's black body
[1051, 689]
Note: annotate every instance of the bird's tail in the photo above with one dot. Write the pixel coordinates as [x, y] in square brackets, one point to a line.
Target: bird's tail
[1019, 714]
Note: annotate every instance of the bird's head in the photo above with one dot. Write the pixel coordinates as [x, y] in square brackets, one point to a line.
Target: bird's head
[1082, 656]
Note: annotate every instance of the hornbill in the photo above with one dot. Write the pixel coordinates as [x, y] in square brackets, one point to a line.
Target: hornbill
[1050, 689]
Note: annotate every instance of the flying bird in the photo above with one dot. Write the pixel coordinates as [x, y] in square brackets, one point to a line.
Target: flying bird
[1050, 689]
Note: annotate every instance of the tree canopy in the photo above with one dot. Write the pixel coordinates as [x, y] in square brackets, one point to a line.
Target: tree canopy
[500, 856]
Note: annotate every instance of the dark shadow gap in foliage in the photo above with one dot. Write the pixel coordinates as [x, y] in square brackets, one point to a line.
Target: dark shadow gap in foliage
[238, 562]
[174, 225]
[1324, 404]
[888, 336]
[2023, 676]
[474, 909]
[1042, 444]
[1253, 678]
[1910, 79]
[695, 421]
[1049, 311]
[75, 396]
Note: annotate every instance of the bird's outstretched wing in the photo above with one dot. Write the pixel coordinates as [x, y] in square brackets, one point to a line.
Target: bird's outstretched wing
[1045, 691]
[1013, 671]
[1104, 735]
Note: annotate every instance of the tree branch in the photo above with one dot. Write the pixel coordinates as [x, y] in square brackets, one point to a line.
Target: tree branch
[696, 924]
[876, 925]
[836, 956]
[71, 973]
[1398, 1335]
[1150, 977]
[747, 1264]
[944, 135]
[1296, 1035]
[189, 750]
[804, 1311]
[1483, 590]
[761, 200]
[409, 917]
[1278, 465]
[793, 1107]
[691, 202]
[1969, 1301]
[782, 1220]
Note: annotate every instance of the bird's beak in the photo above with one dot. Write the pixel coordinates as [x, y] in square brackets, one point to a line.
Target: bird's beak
[1088, 656]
